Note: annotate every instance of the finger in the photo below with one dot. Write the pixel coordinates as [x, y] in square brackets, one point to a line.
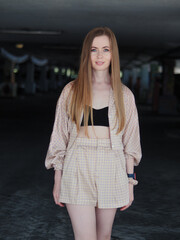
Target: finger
[61, 204]
[130, 202]
[125, 207]
[56, 199]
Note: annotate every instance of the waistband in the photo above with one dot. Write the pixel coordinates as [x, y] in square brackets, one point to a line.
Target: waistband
[96, 142]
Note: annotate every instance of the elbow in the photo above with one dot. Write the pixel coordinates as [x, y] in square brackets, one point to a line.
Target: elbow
[134, 156]
[137, 159]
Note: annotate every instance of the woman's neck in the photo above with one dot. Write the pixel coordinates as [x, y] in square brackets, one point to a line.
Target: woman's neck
[101, 77]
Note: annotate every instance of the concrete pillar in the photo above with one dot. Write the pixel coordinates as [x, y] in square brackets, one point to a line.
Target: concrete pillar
[177, 66]
[13, 81]
[61, 80]
[135, 75]
[125, 78]
[168, 101]
[52, 80]
[144, 83]
[30, 86]
[154, 71]
[145, 77]
[43, 83]
[8, 88]
[168, 77]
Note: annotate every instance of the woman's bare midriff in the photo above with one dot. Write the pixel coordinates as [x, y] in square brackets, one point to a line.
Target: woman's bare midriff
[100, 132]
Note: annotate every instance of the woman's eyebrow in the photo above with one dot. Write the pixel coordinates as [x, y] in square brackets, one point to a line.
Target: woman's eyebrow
[102, 47]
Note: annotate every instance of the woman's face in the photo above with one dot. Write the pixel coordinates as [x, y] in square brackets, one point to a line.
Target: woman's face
[100, 53]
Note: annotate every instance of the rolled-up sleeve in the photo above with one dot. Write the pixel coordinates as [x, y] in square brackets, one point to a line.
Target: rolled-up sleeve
[59, 137]
[131, 135]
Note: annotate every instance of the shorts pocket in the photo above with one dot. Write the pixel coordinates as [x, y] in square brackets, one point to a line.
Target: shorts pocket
[120, 159]
[70, 160]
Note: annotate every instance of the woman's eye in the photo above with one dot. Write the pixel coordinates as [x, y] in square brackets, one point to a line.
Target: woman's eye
[93, 50]
[106, 50]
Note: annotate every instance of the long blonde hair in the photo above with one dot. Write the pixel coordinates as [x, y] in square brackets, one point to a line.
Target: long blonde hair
[81, 94]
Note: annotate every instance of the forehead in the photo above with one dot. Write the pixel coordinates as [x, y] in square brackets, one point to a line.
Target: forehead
[101, 41]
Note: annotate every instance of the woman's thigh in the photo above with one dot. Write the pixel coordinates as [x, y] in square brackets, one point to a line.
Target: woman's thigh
[83, 219]
[104, 222]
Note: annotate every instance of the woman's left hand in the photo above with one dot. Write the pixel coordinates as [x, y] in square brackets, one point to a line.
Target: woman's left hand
[131, 197]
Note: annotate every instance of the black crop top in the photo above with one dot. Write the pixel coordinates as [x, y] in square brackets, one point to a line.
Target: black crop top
[100, 117]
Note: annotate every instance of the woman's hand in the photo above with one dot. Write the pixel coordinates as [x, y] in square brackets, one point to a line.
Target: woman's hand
[131, 197]
[57, 186]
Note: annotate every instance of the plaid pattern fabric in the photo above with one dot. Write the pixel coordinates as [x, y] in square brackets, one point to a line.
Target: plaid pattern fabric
[64, 131]
[94, 174]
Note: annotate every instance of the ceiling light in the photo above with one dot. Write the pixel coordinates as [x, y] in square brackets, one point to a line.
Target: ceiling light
[31, 32]
[19, 45]
[56, 69]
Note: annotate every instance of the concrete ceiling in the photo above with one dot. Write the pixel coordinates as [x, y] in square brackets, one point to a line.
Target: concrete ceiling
[145, 29]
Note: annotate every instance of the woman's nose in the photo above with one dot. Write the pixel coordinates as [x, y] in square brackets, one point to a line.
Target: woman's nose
[99, 53]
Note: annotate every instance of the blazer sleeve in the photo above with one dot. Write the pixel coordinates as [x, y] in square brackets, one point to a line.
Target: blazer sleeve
[59, 137]
[131, 135]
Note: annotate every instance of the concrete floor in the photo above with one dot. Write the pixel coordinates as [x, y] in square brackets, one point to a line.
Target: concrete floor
[27, 210]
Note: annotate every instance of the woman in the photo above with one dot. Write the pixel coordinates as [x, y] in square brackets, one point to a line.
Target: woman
[95, 142]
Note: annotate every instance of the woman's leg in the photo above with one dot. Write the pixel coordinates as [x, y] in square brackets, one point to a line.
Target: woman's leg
[104, 222]
[83, 219]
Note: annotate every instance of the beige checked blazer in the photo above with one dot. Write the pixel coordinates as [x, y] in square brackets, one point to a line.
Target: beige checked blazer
[65, 132]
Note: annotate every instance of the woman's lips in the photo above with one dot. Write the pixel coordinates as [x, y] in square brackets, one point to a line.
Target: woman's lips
[99, 63]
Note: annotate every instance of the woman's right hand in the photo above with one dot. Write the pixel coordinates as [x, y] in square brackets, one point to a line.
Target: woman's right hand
[57, 186]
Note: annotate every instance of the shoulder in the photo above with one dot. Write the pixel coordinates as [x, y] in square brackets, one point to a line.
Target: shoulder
[127, 94]
[66, 90]
[126, 91]
[64, 95]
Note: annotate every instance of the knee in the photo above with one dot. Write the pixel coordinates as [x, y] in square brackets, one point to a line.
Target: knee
[85, 237]
[104, 236]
